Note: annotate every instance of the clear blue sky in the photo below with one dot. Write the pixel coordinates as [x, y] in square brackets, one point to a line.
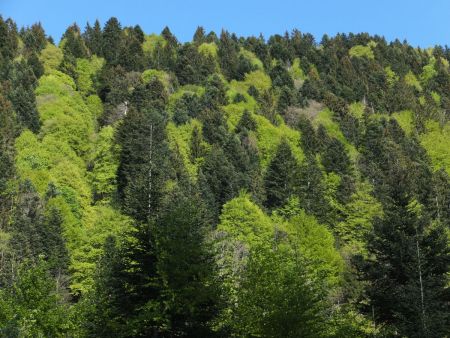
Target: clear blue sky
[423, 23]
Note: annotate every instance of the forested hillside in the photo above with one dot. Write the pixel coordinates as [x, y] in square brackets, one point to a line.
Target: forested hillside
[224, 187]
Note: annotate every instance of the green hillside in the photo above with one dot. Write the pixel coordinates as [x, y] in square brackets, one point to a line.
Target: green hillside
[222, 187]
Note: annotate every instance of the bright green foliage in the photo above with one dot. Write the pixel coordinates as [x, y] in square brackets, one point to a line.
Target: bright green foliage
[436, 97]
[259, 80]
[150, 74]
[428, 71]
[32, 306]
[359, 214]
[95, 105]
[405, 119]
[411, 80]
[208, 49]
[244, 221]
[86, 243]
[180, 141]
[316, 244]
[356, 109]
[86, 70]
[270, 136]
[63, 112]
[177, 95]
[105, 162]
[151, 41]
[302, 245]
[436, 142]
[391, 76]
[277, 298]
[58, 156]
[361, 51]
[325, 118]
[51, 57]
[296, 71]
[255, 62]
[242, 191]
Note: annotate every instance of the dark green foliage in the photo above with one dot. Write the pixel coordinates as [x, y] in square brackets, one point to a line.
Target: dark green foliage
[186, 267]
[143, 160]
[21, 95]
[181, 245]
[311, 190]
[74, 44]
[280, 178]
[112, 41]
[34, 37]
[199, 35]
[228, 56]
[103, 309]
[309, 141]
[36, 65]
[93, 38]
[280, 77]
[218, 180]
[407, 271]
[8, 131]
[272, 282]
[246, 123]
[215, 94]
[8, 39]
[335, 158]
[151, 95]
[37, 234]
[187, 106]
[131, 55]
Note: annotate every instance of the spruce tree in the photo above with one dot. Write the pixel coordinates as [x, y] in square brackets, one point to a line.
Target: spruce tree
[143, 163]
[280, 177]
[409, 257]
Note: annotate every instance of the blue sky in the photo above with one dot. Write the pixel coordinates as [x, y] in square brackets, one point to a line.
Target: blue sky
[422, 23]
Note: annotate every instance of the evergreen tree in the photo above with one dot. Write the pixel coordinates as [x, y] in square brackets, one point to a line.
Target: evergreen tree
[22, 95]
[409, 258]
[199, 35]
[280, 178]
[93, 38]
[228, 56]
[186, 267]
[143, 160]
[218, 180]
[8, 131]
[112, 41]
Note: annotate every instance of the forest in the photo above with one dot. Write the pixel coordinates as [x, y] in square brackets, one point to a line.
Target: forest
[223, 187]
